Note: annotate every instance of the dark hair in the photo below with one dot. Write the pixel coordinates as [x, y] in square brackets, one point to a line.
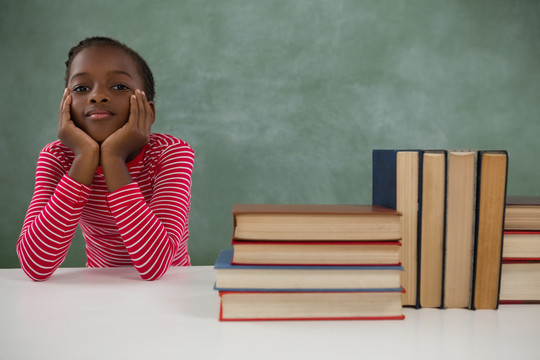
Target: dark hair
[144, 69]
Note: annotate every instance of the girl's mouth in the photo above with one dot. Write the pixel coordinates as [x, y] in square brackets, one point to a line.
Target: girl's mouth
[99, 114]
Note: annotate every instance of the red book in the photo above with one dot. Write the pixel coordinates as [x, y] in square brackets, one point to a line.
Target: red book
[520, 282]
[521, 245]
[322, 305]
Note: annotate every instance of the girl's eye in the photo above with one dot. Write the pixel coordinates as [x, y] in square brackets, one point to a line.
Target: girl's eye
[81, 88]
[120, 87]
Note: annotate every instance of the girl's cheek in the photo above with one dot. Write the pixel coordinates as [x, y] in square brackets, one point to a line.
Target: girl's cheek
[76, 106]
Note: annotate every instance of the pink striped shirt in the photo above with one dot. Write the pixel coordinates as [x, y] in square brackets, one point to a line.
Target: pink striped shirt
[144, 223]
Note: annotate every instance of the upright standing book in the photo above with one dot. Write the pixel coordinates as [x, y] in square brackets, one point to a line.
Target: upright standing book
[460, 225]
[432, 228]
[396, 182]
[491, 194]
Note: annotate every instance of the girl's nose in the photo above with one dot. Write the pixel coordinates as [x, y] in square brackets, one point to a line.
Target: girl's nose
[99, 96]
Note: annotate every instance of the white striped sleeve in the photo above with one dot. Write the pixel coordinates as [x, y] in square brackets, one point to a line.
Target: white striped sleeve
[51, 219]
[156, 233]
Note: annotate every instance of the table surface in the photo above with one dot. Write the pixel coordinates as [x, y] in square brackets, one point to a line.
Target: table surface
[112, 314]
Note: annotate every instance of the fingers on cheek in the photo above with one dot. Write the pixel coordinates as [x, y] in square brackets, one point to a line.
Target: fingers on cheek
[142, 108]
[134, 107]
[66, 105]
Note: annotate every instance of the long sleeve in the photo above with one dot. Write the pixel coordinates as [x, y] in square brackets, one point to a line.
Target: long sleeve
[155, 233]
[51, 219]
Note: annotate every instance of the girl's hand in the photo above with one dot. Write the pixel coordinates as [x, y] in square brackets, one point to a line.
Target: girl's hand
[126, 142]
[86, 150]
[71, 136]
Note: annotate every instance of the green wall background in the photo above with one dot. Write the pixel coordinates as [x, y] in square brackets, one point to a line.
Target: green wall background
[283, 101]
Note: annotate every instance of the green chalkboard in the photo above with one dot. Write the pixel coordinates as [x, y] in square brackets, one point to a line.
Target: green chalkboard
[283, 101]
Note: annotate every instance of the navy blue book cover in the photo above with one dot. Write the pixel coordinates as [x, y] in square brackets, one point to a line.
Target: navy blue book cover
[384, 178]
[224, 262]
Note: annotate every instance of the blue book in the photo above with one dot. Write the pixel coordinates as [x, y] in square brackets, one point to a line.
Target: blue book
[384, 178]
[397, 183]
[300, 278]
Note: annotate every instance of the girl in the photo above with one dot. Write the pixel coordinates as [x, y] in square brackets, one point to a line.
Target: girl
[127, 188]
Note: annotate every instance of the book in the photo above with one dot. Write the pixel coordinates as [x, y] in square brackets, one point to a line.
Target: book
[491, 194]
[297, 277]
[432, 228]
[520, 282]
[521, 245]
[522, 213]
[322, 305]
[315, 222]
[395, 184]
[459, 228]
[520, 273]
[316, 253]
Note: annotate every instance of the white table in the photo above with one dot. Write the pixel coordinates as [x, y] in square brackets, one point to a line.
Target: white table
[111, 314]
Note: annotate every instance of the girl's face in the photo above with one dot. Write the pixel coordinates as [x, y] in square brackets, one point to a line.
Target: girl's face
[101, 81]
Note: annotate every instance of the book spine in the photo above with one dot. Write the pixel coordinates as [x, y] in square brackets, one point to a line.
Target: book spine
[502, 230]
[479, 248]
[444, 228]
[419, 226]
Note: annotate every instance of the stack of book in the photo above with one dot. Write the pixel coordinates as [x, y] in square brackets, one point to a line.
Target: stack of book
[291, 262]
[520, 279]
[452, 203]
